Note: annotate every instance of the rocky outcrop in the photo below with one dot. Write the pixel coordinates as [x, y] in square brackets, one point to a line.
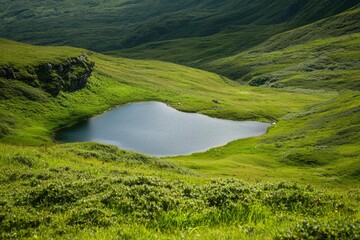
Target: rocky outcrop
[69, 76]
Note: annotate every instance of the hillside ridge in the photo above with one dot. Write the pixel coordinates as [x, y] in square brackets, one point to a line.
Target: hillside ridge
[108, 25]
[308, 55]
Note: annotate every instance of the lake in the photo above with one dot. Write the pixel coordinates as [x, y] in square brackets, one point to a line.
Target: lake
[155, 129]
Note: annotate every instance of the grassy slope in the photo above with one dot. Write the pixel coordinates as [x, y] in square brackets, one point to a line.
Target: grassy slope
[318, 145]
[198, 51]
[22, 55]
[318, 64]
[108, 25]
[293, 58]
[64, 188]
[117, 81]
[322, 55]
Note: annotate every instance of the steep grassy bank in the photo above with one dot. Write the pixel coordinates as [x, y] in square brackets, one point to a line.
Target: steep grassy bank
[315, 65]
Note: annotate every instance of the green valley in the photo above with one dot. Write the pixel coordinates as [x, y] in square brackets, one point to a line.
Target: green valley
[294, 64]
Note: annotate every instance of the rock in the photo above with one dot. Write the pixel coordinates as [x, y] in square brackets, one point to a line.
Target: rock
[48, 67]
[10, 73]
[2, 73]
[82, 58]
[60, 68]
[7, 72]
[66, 67]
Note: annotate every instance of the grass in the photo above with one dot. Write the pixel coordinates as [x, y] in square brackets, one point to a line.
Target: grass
[22, 55]
[321, 55]
[206, 52]
[315, 65]
[65, 194]
[318, 146]
[324, 55]
[256, 188]
[117, 81]
[198, 51]
[109, 25]
[95, 191]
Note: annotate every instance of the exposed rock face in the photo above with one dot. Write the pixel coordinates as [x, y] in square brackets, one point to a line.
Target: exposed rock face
[7, 72]
[70, 75]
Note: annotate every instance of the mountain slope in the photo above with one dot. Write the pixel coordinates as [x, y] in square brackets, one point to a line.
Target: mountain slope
[116, 81]
[300, 180]
[108, 25]
[320, 55]
[31, 119]
[96, 191]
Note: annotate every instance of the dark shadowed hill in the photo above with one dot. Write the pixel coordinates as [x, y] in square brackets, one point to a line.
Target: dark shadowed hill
[107, 24]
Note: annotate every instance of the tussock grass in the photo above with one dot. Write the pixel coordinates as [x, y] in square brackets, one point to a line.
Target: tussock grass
[64, 195]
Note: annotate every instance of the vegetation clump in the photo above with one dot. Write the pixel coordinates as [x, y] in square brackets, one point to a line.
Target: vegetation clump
[334, 229]
[167, 205]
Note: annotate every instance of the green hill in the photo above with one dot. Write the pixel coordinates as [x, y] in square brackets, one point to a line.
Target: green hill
[294, 64]
[108, 25]
[321, 55]
[91, 190]
[117, 80]
[311, 50]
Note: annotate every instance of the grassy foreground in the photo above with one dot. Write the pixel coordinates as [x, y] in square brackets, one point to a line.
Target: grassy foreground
[246, 189]
[93, 191]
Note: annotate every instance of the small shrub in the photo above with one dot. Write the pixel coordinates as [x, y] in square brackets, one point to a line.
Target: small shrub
[24, 160]
[263, 80]
[54, 193]
[16, 219]
[315, 157]
[311, 229]
[91, 217]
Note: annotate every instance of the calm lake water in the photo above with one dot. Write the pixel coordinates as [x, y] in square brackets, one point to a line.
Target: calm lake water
[156, 129]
